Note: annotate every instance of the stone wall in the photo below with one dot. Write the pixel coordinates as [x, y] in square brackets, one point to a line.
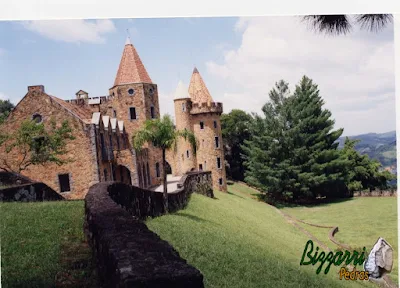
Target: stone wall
[14, 187]
[142, 203]
[128, 254]
[387, 193]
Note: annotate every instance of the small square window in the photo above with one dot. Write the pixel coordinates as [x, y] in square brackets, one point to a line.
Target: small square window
[132, 112]
[215, 124]
[63, 180]
[201, 125]
[220, 181]
[218, 162]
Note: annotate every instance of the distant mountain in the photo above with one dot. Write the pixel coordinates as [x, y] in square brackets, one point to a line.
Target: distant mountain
[379, 146]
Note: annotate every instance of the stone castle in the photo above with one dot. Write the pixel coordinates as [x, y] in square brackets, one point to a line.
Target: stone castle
[103, 128]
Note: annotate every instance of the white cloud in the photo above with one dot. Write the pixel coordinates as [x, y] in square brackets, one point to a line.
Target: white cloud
[74, 31]
[355, 73]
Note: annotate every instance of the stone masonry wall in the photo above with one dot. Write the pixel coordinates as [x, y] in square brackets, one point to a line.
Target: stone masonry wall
[207, 152]
[142, 203]
[80, 170]
[128, 254]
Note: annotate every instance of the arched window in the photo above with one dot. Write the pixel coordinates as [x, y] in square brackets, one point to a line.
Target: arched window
[37, 118]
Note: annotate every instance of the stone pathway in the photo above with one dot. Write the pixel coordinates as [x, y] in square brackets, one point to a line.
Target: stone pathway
[172, 184]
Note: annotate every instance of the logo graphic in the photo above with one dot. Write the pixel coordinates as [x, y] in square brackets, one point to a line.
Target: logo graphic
[380, 260]
[378, 263]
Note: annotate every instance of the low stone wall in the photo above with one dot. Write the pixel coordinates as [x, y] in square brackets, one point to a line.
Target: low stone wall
[376, 194]
[142, 203]
[15, 187]
[129, 254]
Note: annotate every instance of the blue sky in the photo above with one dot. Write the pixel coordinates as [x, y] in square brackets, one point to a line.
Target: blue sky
[239, 58]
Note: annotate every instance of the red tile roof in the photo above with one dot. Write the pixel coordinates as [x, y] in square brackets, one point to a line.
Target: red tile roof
[131, 68]
[81, 112]
[198, 90]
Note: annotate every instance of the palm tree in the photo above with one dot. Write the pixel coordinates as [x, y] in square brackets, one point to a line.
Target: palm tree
[342, 24]
[162, 133]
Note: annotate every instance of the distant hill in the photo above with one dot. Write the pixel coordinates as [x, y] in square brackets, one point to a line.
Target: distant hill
[379, 146]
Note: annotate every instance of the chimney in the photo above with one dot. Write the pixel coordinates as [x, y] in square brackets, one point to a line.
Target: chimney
[36, 88]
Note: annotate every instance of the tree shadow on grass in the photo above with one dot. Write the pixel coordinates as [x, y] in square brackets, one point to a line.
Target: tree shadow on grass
[230, 193]
[308, 204]
[191, 217]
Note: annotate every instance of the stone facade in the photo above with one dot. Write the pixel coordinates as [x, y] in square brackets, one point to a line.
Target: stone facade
[103, 128]
[200, 114]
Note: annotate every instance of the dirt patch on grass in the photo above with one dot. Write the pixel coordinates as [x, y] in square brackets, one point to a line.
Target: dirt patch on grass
[78, 265]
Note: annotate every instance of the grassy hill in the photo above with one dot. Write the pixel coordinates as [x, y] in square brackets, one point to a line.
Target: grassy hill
[236, 241]
[381, 147]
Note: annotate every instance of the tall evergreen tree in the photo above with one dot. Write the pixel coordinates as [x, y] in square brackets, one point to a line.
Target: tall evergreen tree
[267, 158]
[317, 163]
[293, 153]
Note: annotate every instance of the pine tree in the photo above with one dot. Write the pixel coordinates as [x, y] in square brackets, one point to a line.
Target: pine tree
[267, 158]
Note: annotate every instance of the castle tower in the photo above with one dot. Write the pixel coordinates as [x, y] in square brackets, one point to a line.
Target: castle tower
[134, 99]
[205, 121]
[185, 160]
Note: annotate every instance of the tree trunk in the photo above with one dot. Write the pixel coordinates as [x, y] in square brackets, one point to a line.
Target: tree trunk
[165, 183]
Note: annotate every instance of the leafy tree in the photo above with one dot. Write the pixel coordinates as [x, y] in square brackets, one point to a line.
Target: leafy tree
[5, 108]
[343, 24]
[363, 172]
[32, 144]
[235, 130]
[162, 133]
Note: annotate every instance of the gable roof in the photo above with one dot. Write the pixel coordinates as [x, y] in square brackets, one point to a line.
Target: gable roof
[131, 68]
[198, 90]
[82, 113]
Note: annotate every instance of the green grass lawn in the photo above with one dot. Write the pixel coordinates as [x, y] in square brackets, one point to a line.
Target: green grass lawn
[236, 241]
[361, 221]
[42, 245]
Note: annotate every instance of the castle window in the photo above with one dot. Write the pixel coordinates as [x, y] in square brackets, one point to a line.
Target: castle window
[220, 181]
[152, 112]
[158, 169]
[131, 91]
[151, 91]
[215, 124]
[205, 165]
[132, 113]
[187, 154]
[37, 118]
[200, 167]
[114, 113]
[218, 162]
[148, 173]
[38, 145]
[201, 125]
[216, 142]
[118, 145]
[183, 107]
[63, 181]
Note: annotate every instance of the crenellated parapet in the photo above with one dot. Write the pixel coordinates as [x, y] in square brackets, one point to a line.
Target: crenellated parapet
[200, 108]
[90, 101]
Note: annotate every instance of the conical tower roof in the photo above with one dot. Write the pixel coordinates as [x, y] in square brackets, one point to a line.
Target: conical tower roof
[181, 91]
[131, 68]
[198, 90]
